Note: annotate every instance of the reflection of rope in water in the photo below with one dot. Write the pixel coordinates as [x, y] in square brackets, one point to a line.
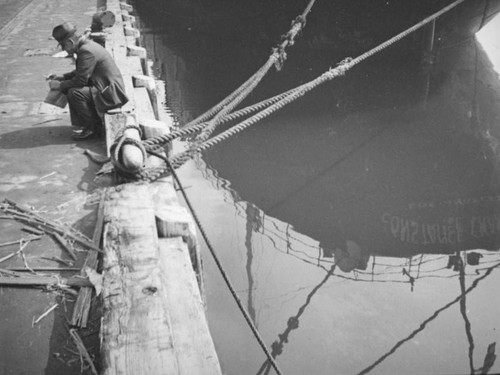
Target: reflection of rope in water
[430, 319]
[292, 324]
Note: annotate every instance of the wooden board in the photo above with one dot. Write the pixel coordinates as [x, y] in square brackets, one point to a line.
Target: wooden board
[154, 319]
[194, 349]
[136, 332]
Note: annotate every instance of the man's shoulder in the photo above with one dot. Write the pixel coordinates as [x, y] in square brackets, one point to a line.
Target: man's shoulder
[91, 46]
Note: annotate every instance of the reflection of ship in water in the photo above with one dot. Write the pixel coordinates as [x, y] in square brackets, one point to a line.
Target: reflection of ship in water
[386, 177]
[396, 182]
[392, 160]
[469, 268]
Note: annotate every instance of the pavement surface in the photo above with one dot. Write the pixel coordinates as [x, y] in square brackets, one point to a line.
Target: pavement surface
[43, 168]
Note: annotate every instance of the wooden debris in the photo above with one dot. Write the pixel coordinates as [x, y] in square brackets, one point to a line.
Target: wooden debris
[31, 218]
[65, 246]
[59, 260]
[22, 280]
[35, 322]
[33, 230]
[45, 269]
[25, 240]
[22, 246]
[82, 305]
[82, 350]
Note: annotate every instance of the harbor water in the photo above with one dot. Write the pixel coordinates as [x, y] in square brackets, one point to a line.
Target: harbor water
[359, 225]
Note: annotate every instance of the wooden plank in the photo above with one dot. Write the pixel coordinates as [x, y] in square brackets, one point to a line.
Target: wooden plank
[134, 66]
[194, 349]
[136, 331]
[83, 301]
[144, 108]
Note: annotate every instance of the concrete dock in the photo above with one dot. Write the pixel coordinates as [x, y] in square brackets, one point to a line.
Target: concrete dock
[150, 314]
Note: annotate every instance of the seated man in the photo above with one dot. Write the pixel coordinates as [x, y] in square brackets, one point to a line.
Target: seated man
[95, 86]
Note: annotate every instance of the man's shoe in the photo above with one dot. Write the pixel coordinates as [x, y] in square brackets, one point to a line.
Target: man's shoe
[84, 134]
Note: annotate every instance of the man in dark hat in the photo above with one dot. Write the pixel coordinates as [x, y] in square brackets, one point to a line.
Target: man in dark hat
[95, 86]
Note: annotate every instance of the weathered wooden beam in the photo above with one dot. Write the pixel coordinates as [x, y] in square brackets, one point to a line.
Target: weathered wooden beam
[194, 349]
[153, 321]
[136, 337]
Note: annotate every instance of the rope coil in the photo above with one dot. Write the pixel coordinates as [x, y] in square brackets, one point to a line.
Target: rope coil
[116, 151]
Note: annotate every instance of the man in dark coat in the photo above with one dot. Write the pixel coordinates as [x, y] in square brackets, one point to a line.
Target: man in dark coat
[95, 86]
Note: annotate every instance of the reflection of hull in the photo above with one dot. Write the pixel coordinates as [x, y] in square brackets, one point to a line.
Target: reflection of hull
[356, 161]
[421, 178]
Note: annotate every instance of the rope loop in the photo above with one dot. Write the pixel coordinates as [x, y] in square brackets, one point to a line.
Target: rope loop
[280, 57]
[116, 148]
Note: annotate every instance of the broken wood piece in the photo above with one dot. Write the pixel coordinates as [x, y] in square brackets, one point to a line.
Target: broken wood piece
[45, 269]
[22, 240]
[10, 273]
[65, 246]
[46, 225]
[35, 322]
[59, 260]
[82, 350]
[41, 280]
[82, 306]
[33, 231]
[22, 246]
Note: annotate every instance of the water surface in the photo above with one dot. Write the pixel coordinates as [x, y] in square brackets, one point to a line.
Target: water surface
[360, 225]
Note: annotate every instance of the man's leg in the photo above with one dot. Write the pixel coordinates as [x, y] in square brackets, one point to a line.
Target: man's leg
[82, 109]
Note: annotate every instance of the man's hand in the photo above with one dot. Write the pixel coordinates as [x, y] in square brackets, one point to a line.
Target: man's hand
[54, 77]
[55, 85]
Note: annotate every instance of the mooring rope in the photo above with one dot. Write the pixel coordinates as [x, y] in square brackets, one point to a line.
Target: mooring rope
[223, 110]
[245, 313]
[195, 128]
[227, 105]
[284, 99]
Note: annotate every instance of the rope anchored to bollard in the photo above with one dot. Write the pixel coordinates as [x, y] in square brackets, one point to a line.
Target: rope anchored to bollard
[265, 108]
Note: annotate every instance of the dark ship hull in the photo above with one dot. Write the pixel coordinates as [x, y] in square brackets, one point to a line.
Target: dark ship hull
[349, 26]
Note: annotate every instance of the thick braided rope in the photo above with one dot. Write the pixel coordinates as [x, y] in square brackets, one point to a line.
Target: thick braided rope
[405, 33]
[228, 282]
[152, 143]
[232, 100]
[229, 99]
[277, 57]
[294, 95]
[299, 91]
[149, 143]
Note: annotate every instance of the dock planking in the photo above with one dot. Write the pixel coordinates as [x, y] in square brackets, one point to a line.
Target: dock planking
[153, 312]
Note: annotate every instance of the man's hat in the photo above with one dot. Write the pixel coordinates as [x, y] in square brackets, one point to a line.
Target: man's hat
[63, 31]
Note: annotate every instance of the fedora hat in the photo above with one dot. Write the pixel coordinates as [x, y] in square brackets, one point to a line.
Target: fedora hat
[63, 31]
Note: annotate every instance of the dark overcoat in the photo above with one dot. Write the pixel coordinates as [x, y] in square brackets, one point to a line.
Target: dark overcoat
[96, 68]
